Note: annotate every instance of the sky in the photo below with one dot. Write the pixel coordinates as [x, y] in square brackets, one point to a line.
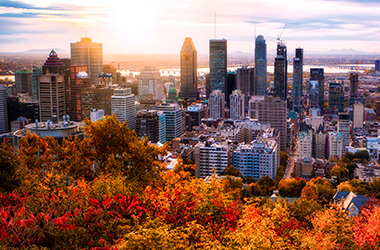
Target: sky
[161, 26]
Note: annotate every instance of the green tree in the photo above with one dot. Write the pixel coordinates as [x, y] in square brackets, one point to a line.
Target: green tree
[232, 171]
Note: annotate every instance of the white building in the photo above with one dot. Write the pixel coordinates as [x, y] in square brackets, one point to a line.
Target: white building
[305, 144]
[335, 147]
[358, 115]
[216, 104]
[123, 106]
[344, 129]
[210, 157]
[236, 105]
[314, 121]
[257, 159]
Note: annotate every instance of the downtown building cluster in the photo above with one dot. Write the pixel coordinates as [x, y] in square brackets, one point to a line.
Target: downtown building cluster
[240, 118]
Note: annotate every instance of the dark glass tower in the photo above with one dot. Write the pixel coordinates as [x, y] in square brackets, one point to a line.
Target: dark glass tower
[297, 80]
[336, 96]
[260, 66]
[317, 74]
[189, 89]
[218, 64]
[281, 72]
[231, 85]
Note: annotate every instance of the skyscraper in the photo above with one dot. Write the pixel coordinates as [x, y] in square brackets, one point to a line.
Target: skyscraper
[79, 80]
[317, 74]
[189, 86]
[297, 80]
[150, 83]
[173, 120]
[281, 72]
[354, 84]
[231, 85]
[336, 96]
[148, 124]
[3, 110]
[85, 52]
[23, 82]
[245, 80]
[260, 66]
[52, 88]
[123, 106]
[218, 64]
[236, 105]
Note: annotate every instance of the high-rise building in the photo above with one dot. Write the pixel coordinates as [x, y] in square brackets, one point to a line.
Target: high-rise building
[253, 106]
[123, 106]
[148, 124]
[162, 127]
[281, 72]
[317, 74]
[319, 143]
[257, 159]
[377, 65]
[231, 85]
[150, 83]
[35, 88]
[216, 104]
[79, 80]
[86, 52]
[52, 88]
[336, 96]
[218, 65]
[237, 105]
[354, 84]
[23, 82]
[173, 120]
[297, 80]
[260, 66]
[305, 144]
[96, 98]
[273, 110]
[197, 112]
[344, 130]
[189, 85]
[335, 144]
[3, 110]
[358, 115]
[245, 80]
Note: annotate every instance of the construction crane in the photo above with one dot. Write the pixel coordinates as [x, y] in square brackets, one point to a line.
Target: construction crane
[279, 36]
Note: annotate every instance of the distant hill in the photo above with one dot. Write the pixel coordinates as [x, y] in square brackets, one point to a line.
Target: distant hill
[46, 51]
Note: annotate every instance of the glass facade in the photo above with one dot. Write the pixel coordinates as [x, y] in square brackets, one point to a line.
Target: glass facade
[260, 66]
[218, 64]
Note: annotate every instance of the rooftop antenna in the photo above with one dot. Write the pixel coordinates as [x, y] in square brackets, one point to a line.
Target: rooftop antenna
[215, 25]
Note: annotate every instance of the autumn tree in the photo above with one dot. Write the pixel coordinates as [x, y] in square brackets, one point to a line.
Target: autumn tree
[9, 168]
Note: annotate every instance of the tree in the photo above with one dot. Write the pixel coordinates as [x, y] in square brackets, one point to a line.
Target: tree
[309, 194]
[232, 171]
[266, 185]
[9, 168]
[284, 157]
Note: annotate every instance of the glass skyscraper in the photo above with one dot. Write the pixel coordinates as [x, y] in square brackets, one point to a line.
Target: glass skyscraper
[260, 66]
[281, 72]
[218, 65]
[297, 80]
[189, 84]
[317, 74]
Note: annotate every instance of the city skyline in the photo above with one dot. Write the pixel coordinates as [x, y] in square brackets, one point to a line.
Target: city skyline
[140, 27]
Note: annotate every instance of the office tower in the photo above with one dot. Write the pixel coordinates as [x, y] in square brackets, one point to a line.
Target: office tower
[35, 88]
[317, 74]
[79, 80]
[281, 72]
[237, 105]
[23, 82]
[245, 80]
[210, 158]
[305, 144]
[148, 125]
[231, 85]
[3, 110]
[52, 88]
[123, 106]
[189, 85]
[377, 65]
[218, 65]
[162, 127]
[354, 84]
[253, 106]
[150, 83]
[344, 130]
[197, 112]
[86, 52]
[260, 66]
[335, 145]
[313, 94]
[173, 120]
[96, 98]
[297, 80]
[257, 159]
[336, 96]
[358, 115]
[216, 104]
[273, 110]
